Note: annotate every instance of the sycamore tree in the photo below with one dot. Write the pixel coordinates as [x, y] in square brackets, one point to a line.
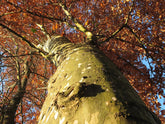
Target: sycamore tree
[117, 40]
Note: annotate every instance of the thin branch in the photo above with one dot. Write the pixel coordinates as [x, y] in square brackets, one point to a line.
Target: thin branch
[35, 14]
[4, 14]
[44, 31]
[142, 43]
[138, 39]
[29, 54]
[22, 115]
[124, 25]
[26, 75]
[50, 18]
[117, 38]
[23, 38]
[6, 51]
[114, 34]
[129, 13]
[40, 75]
[6, 66]
[43, 53]
[33, 102]
[18, 73]
[42, 88]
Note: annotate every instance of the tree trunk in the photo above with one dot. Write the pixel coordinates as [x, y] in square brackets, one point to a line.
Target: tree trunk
[87, 88]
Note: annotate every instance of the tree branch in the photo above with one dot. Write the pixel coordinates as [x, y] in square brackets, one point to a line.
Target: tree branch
[23, 38]
[41, 52]
[40, 75]
[78, 26]
[143, 45]
[129, 13]
[4, 14]
[19, 55]
[35, 14]
[114, 34]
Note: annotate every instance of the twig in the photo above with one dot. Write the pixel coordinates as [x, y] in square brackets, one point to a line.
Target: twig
[114, 34]
[18, 55]
[4, 14]
[44, 31]
[126, 22]
[35, 14]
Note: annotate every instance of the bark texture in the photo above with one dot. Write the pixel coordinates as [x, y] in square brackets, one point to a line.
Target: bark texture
[87, 88]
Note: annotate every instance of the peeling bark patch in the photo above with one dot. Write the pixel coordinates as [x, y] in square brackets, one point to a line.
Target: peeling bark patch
[89, 90]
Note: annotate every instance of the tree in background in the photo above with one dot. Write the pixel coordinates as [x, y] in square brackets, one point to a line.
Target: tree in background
[128, 32]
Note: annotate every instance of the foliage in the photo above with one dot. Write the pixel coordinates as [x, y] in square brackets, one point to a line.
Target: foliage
[128, 32]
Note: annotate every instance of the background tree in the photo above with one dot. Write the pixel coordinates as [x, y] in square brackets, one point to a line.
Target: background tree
[129, 33]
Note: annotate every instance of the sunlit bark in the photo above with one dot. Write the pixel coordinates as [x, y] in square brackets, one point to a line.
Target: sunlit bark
[88, 88]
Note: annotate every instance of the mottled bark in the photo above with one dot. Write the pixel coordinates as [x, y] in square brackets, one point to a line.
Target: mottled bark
[87, 88]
